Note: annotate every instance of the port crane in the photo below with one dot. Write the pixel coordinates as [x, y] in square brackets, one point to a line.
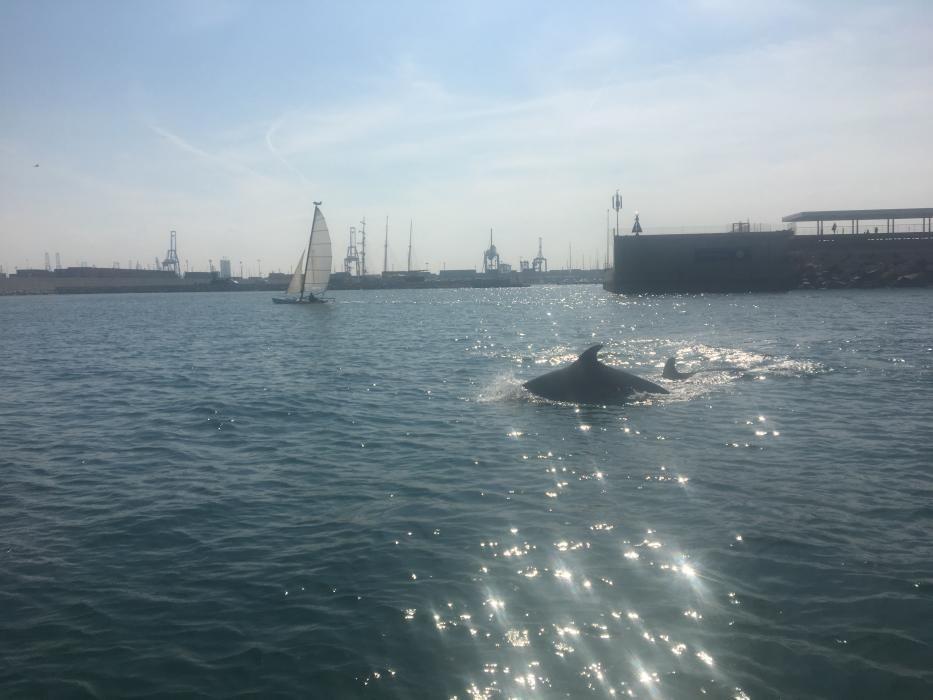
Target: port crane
[539, 264]
[353, 257]
[171, 262]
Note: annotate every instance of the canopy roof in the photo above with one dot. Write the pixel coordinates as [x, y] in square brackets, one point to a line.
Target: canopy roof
[859, 215]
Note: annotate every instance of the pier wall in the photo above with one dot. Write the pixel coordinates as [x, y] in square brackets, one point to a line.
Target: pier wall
[768, 261]
[702, 262]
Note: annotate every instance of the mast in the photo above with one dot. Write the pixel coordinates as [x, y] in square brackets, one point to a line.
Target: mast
[409, 244]
[304, 277]
[385, 250]
[608, 239]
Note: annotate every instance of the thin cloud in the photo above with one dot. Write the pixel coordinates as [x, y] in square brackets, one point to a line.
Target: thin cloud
[227, 164]
[270, 144]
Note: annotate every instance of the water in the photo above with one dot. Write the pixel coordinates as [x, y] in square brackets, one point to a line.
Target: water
[214, 496]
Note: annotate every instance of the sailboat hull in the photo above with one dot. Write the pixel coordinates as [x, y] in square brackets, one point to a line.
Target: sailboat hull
[287, 300]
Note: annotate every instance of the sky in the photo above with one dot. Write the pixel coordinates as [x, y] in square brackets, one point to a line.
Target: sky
[225, 119]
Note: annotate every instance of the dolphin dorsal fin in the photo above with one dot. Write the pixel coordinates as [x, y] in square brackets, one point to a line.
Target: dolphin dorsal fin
[588, 356]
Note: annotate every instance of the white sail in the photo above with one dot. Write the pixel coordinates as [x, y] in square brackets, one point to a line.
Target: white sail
[317, 275]
[294, 287]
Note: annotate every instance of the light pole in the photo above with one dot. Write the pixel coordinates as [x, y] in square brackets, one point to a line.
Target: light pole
[617, 205]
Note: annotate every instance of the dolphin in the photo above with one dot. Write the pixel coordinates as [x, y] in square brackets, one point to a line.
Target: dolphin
[670, 371]
[588, 380]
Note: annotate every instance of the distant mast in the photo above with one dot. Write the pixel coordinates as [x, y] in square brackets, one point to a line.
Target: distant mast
[608, 238]
[385, 250]
[410, 225]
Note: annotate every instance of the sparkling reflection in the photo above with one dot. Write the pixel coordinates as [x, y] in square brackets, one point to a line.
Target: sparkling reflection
[580, 592]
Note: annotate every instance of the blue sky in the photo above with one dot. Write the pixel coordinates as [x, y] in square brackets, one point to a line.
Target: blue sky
[224, 120]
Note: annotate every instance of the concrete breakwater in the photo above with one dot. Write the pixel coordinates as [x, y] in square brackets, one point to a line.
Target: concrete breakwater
[843, 262]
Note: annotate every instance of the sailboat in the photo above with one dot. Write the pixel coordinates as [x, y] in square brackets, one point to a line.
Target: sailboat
[312, 273]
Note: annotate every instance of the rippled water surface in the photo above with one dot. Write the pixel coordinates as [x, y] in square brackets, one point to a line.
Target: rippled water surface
[214, 496]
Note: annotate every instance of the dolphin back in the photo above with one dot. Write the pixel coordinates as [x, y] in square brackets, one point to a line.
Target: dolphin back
[587, 380]
[615, 381]
[631, 382]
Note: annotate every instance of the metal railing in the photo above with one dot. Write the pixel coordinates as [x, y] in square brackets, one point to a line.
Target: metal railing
[871, 229]
[711, 228]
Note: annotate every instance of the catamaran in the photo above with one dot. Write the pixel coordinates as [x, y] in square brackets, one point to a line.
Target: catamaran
[312, 273]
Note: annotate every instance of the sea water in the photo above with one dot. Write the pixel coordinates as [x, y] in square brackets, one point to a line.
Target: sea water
[208, 495]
